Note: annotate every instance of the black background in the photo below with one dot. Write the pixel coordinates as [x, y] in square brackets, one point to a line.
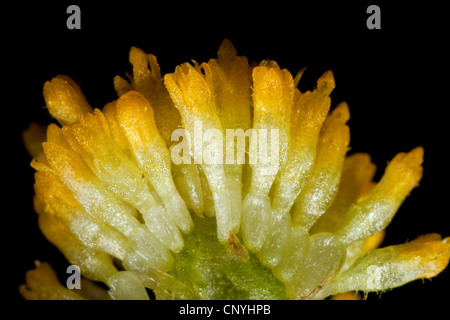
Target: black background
[394, 80]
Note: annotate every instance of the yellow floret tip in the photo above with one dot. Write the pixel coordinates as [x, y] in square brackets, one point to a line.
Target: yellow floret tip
[65, 100]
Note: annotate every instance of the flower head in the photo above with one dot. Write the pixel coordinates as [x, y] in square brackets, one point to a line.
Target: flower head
[264, 205]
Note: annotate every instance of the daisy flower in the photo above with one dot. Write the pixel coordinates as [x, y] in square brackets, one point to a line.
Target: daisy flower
[221, 180]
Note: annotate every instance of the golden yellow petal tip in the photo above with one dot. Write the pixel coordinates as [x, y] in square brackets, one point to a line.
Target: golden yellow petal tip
[342, 112]
[416, 155]
[227, 51]
[137, 56]
[133, 104]
[326, 83]
[133, 97]
[65, 100]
